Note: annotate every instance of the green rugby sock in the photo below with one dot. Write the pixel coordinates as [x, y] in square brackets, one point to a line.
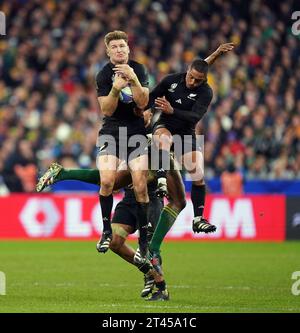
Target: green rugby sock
[164, 224]
[85, 175]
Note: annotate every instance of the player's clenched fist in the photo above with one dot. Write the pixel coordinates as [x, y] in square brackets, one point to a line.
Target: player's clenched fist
[125, 70]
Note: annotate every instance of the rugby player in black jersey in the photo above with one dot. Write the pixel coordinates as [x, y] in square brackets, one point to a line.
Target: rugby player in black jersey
[122, 93]
[124, 222]
[182, 99]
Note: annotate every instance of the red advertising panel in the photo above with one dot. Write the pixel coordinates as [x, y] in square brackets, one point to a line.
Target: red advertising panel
[243, 218]
[78, 217]
[49, 216]
[249, 217]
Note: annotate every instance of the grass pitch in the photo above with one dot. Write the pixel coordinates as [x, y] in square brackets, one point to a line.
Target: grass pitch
[201, 276]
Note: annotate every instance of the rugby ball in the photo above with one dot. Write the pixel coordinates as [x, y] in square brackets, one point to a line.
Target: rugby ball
[126, 95]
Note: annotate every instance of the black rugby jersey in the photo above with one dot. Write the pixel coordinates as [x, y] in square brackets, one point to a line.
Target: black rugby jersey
[124, 115]
[189, 104]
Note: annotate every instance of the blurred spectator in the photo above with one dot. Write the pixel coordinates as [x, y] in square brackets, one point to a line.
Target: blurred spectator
[20, 171]
[53, 50]
[232, 182]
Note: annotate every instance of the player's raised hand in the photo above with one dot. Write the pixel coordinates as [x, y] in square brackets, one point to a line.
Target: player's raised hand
[163, 105]
[223, 48]
[120, 82]
[125, 70]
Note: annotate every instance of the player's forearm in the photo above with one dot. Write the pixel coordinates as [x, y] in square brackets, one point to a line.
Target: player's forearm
[212, 58]
[159, 91]
[108, 106]
[109, 103]
[140, 94]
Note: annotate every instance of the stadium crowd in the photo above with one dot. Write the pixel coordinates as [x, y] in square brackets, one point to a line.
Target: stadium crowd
[53, 50]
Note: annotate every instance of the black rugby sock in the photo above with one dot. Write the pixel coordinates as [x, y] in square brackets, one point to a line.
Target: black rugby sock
[163, 163]
[161, 285]
[142, 217]
[106, 204]
[198, 199]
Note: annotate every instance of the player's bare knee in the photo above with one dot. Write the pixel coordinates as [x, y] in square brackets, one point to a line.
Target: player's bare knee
[162, 139]
[115, 244]
[181, 204]
[197, 176]
[165, 142]
[140, 190]
[107, 185]
[199, 182]
[141, 197]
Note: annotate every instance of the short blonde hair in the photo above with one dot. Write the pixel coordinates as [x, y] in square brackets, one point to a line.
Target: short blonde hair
[115, 35]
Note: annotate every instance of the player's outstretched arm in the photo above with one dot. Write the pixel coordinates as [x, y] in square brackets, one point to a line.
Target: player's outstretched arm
[222, 49]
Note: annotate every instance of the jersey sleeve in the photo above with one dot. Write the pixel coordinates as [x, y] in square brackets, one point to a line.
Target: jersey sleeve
[142, 75]
[103, 83]
[159, 91]
[198, 110]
